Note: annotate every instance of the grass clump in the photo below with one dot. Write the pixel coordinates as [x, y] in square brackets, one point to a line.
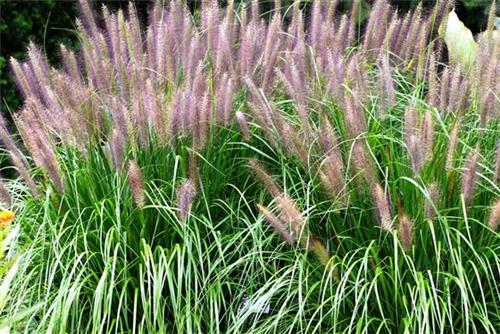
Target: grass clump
[164, 157]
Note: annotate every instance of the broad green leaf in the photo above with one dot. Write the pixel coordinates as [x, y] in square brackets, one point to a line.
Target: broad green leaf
[462, 47]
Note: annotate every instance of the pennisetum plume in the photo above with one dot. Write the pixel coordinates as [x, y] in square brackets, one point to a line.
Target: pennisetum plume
[427, 134]
[491, 16]
[452, 145]
[291, 216]
[494, 219]
[405, 231]
[23, 171]
[444, 90]
[354, 116]
[410, 38]
[386, 84]
[362, 163]
[291, 226]
[377, 23]
[455, 91]
[5, 197]
[315, 246]
[470, 176]
[332, 178]
[134, 175]
[271, 50]
[185, 197]
[51, 165]
[332, 168]
[243, 124]
[496, 177]
[432, 203]
[9, 143]
[117, 146]
[414, 139]
[264, 177]
[432, 80]
[382, 207]
[277, 224]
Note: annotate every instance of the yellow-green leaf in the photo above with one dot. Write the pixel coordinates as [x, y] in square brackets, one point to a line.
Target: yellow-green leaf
[462, 48]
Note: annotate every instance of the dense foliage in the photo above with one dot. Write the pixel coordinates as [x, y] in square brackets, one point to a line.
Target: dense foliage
[225, 173]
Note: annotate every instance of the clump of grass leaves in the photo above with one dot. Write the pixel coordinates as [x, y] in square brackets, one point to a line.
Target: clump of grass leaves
[166, 157]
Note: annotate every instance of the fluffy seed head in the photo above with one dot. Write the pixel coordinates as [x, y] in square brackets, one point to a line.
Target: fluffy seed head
[243, 124]
[494, 220]
[362, 164]
[405, 231]
[51, 165]
[433, 191]
[315, 246]
[470, 175]
[185, 197]
[291, 216]
[416, 152]
[23, 171]
[432, 79]
[491, 16]
[264, 177]
[117, 145]
[382, 207]
[5, 197]
[452, 145]
[135, 182]
[444, 89]
[354, 116]
[386, 84]
[88, 17]
[427, 133]
[496, 177]
[276, 224]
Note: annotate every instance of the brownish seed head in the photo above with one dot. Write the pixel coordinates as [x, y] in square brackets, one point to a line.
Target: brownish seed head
[382, 207]
[470, 176]
[405, 231]
[428, 134]
[316, 246]
[496, 178]
[264, 177]
[452, 145]
[291, 216]
[185, 196]
[5, 197]
[494, 220]
[433, 191]
[135, 183]
[332, 176]
[276, 224]
[362, 163]
[243, 124]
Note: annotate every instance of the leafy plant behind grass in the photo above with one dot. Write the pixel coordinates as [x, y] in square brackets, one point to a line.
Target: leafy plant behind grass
[372, 155]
